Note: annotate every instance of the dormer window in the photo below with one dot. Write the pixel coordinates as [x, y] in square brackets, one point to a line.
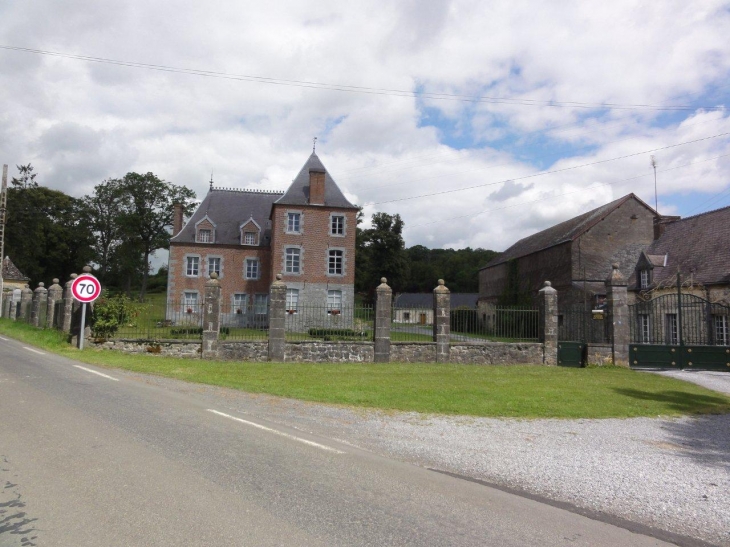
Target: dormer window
[644, 279]
[205, 236]
[250, 232]
[205, 230]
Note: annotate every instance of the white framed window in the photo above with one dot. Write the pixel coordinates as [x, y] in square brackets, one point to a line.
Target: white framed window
[260, 304]
[249, 238]
[192, 266]
[671, 332]
[334, 302]
[294, 223]
[239, 301]
[644, 279]
[721, 330]
[190, 302]
[292, 260]
[214, 265]
[205, 235]
[335, 258]
[337, 225]
[252, 269]
[644, 329]
[292, 300]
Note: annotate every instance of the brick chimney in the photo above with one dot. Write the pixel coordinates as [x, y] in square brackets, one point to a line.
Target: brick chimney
[316, 186]
[177, 218]
[660, 224]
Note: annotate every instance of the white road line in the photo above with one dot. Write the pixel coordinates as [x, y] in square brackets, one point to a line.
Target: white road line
[4, 339]
[94, 372]
[292, 437]
[34, 350]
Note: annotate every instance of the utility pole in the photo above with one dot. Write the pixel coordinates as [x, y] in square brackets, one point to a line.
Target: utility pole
[656, 198]
[3, 210]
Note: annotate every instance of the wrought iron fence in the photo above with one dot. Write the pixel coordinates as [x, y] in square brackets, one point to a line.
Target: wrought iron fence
[671, 319]
[346, 323]
[578, 324]
[499, 324]
[160, 319]
[411, 324]
[245, 320]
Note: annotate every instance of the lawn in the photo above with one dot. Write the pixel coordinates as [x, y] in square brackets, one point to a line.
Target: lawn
[501, 391]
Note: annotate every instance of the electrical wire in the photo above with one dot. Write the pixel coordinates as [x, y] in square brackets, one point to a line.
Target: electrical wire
[551, 172]
[363, 89]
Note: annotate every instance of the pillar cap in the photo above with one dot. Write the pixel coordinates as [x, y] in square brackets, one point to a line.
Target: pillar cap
[383, 285]
[615, 278]
[74, 276]
[441, 288]
[548, 288]
[55, 281]
[213, 281]
[86, 269]
[278, 282]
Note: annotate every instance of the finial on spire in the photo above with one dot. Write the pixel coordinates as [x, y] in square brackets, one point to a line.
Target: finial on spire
[314, 145]
[211, 179]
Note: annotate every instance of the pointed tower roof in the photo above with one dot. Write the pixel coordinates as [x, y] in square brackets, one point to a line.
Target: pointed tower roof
[298, 192]
[10, 272]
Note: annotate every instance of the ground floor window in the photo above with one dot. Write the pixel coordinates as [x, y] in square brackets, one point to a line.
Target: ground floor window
[721, 330]
[292, 300]
[671, 332]
[260, 304]
[334, 302]
[240, 300]
[190, 302]
[644, 329]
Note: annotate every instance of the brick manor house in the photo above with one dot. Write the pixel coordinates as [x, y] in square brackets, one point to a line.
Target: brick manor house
[247, 237]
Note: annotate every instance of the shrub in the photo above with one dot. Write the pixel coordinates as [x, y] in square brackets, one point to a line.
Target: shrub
[111, 312]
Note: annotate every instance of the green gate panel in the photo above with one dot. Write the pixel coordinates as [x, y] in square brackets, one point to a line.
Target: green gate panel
[707, 357]
[570, 354]
[655, 356]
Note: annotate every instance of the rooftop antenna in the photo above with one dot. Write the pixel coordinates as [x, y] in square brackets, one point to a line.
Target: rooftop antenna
[656, 199]
[314, 144]
[211, 179]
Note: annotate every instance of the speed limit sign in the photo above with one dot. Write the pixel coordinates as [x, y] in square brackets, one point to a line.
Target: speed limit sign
[86, 288]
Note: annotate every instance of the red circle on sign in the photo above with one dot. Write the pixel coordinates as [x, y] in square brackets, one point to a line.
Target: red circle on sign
[86, 288]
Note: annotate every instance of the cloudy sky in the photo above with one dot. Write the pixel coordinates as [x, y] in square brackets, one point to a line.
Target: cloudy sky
[479, 122]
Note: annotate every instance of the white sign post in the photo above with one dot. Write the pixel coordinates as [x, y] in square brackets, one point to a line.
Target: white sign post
[85, 288]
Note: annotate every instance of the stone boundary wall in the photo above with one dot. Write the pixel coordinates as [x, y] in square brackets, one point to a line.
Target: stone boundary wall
[599, 354]
[497, 353]
[169, 348]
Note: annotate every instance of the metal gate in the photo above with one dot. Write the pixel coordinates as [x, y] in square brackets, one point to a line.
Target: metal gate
[578, 327]
[678, 331]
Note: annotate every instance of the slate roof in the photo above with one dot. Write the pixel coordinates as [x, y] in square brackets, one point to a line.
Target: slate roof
[425, 300]
[298, 192]
[561, 233]
[10, 271]
[228, 209]
[697, 246]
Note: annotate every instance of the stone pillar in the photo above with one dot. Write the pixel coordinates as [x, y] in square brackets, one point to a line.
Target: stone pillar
[277, 319]
[442, 322]
[548, 302]
[55, 295]
[40, 296]
[211, 317]
[68, 302]
[13, 307]
[7, 302]
[383, 304]
[26, 301]
[617, 306]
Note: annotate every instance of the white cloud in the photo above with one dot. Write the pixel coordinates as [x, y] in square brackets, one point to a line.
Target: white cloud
[81, 122]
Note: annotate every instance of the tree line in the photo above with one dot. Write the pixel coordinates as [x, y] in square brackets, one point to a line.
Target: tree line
[381, 252]
[116, 228]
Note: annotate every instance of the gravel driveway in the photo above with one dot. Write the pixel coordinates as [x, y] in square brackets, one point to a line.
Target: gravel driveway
[672, 474]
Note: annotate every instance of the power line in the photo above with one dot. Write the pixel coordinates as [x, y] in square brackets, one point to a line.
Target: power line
[470, 215]
[551, 172]
[364, 89]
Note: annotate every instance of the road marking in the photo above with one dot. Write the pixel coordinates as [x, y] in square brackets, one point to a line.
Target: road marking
[94, 372]
[34, 350]
[292, 437]
[4, 339]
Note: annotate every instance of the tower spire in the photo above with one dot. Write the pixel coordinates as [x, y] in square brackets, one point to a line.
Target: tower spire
[314, 145]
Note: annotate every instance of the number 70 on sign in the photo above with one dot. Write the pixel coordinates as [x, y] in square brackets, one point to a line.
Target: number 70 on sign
[86, 288]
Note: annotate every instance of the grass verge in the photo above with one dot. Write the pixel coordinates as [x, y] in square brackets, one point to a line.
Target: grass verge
[500, 391]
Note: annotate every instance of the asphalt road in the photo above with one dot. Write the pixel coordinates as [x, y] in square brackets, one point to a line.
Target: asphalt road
[96, 457]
